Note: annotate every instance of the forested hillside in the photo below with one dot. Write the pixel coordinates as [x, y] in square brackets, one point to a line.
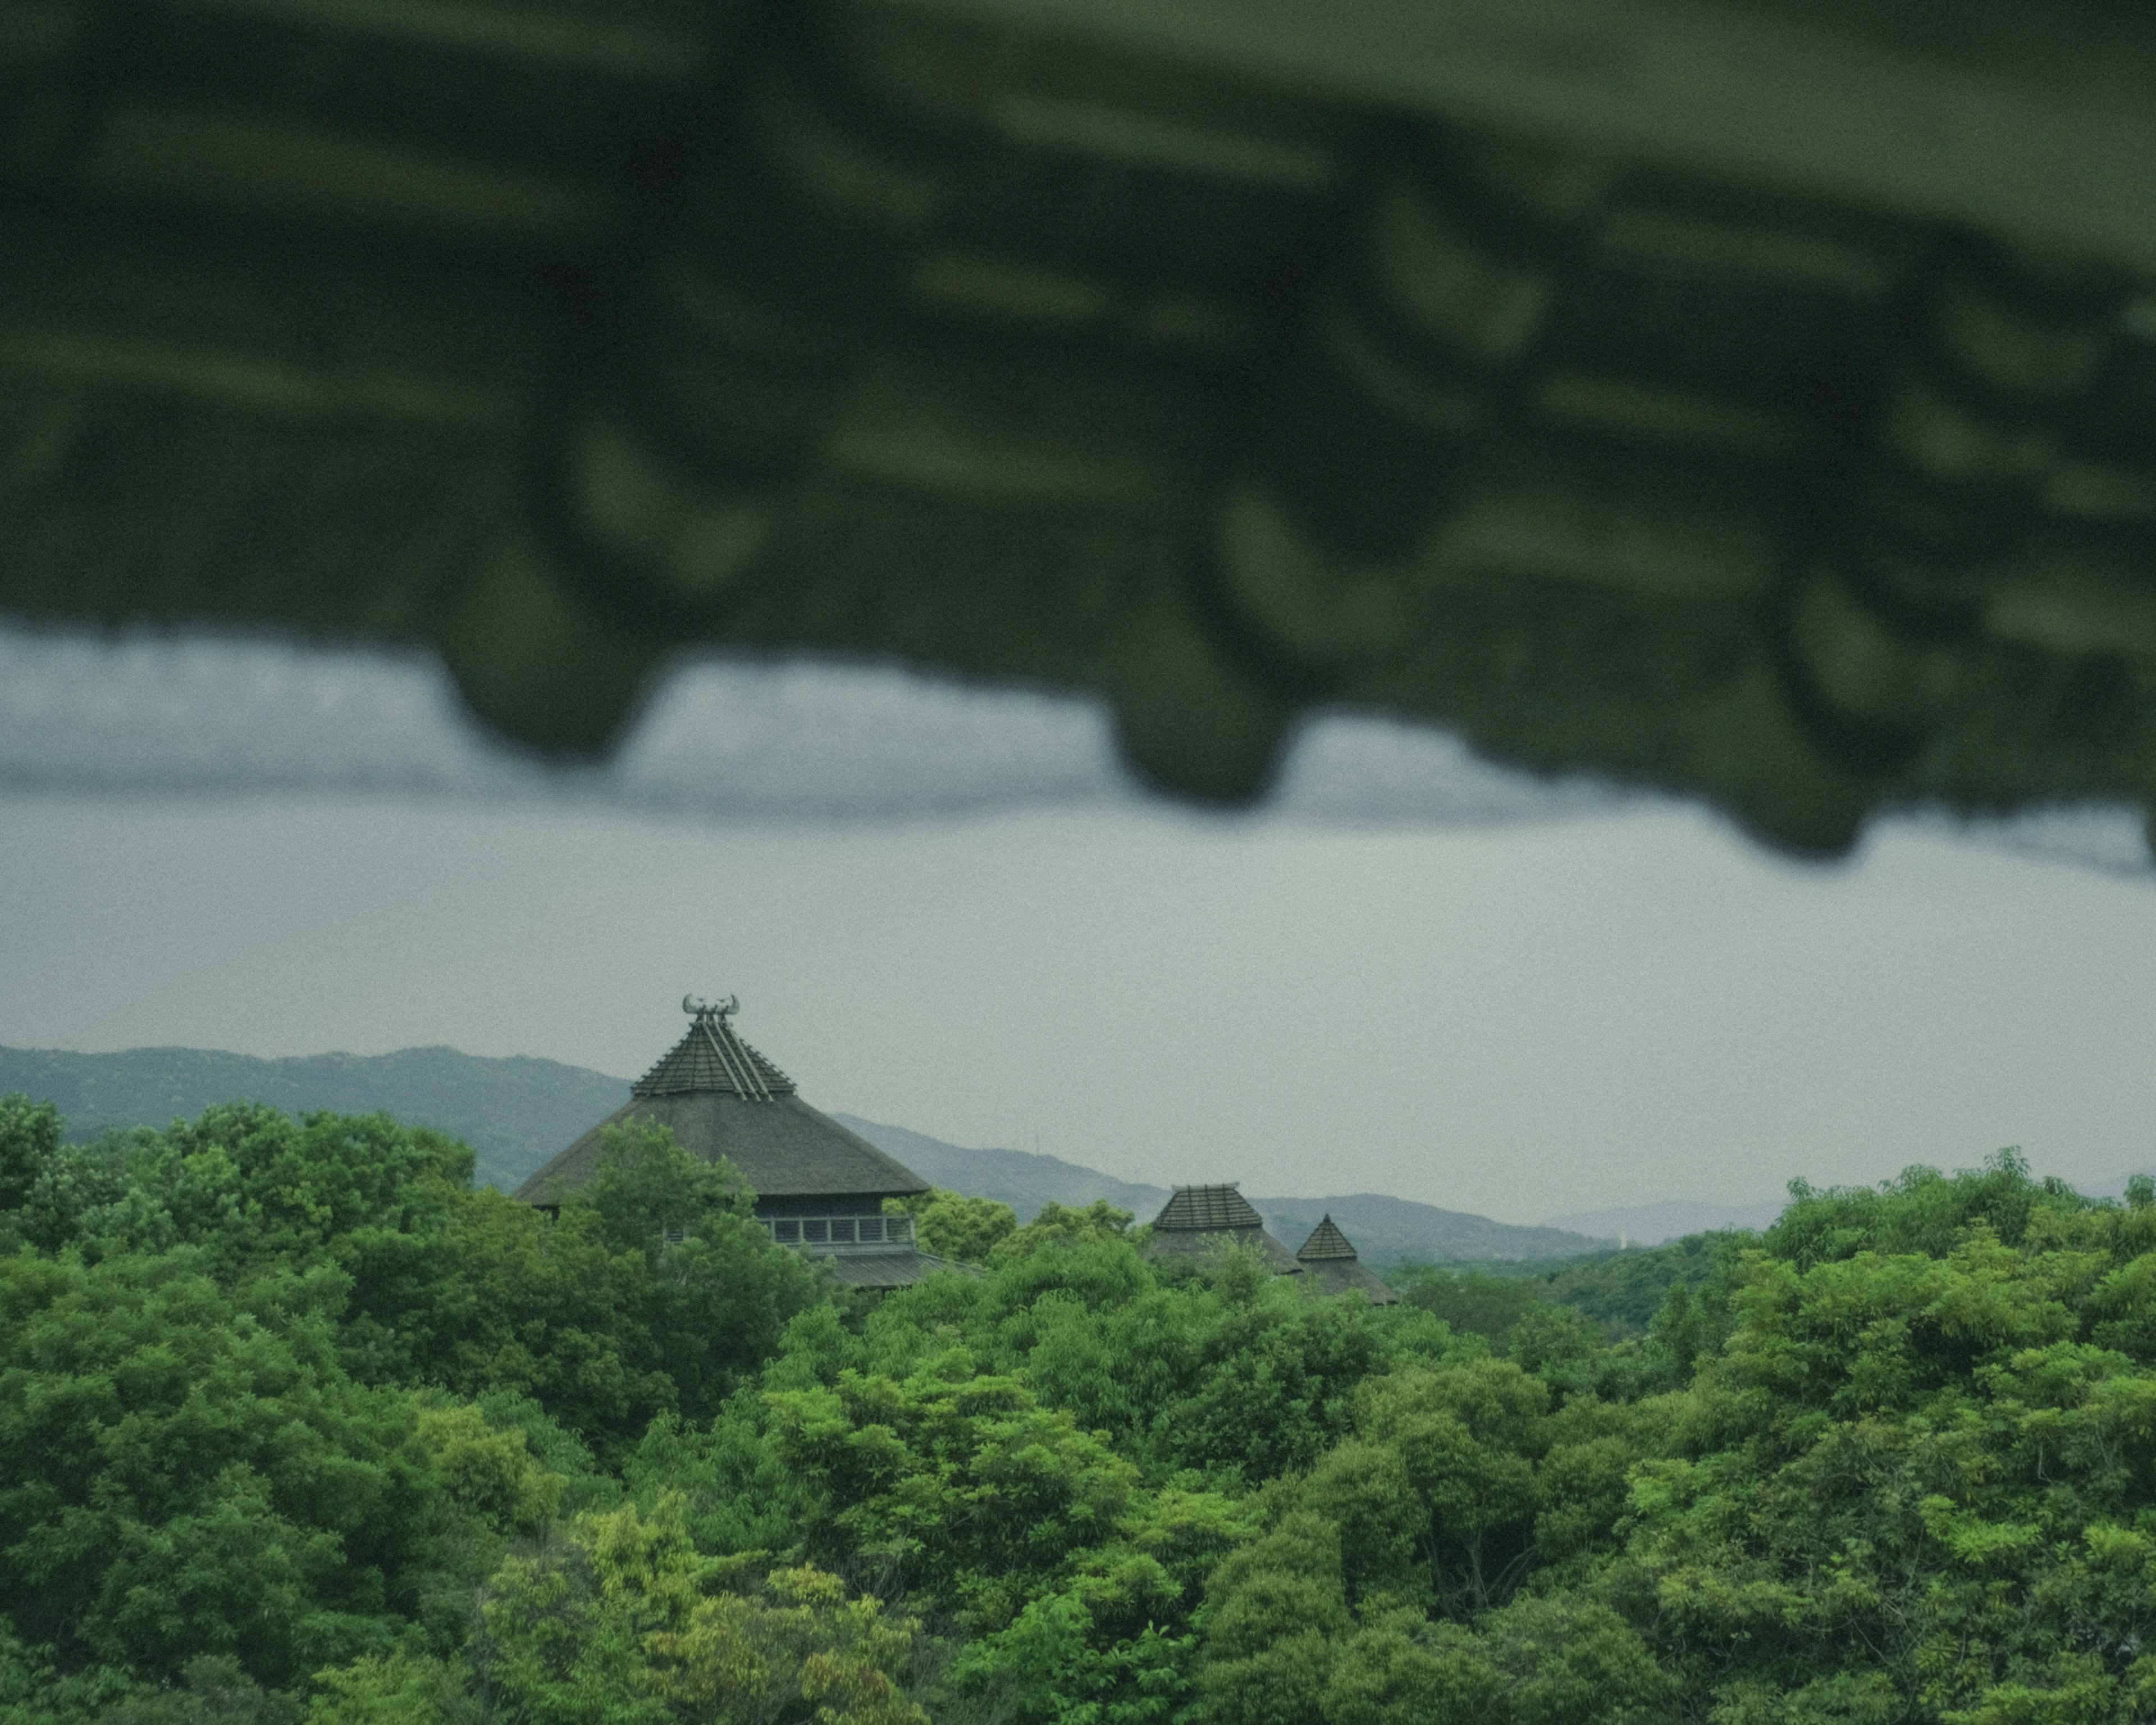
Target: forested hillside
[295, 1425]
[514, 1112]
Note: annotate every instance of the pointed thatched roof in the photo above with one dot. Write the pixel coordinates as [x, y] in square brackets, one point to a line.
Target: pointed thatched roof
[1196, 1218]
[720, 1097]
[1325, 1241]
[1330, 1259]
[713, 1057]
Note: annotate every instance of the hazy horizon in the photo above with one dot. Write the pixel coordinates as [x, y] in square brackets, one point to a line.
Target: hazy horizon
[1608, 1010]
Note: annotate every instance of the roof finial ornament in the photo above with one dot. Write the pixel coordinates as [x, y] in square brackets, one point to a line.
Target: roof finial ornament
[698, 1007]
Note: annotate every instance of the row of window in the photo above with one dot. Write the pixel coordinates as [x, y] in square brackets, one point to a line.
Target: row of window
[841, 1231]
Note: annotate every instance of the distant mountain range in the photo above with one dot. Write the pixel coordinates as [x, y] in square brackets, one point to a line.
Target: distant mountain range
[517, 1112]
[1020, 1178]
[1398, 1230]
[1385, 1230]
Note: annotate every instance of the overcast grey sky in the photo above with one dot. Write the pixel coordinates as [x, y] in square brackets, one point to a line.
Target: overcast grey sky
[1620, 1005]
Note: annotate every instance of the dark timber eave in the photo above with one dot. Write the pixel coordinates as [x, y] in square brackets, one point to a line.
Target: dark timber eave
[1793, 446]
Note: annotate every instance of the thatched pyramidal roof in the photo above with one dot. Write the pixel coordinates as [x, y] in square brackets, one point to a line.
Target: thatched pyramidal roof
[1207, 1209]
[1196, 1218]
[1329, 1256]
[1325, 1241]
[720, 1097]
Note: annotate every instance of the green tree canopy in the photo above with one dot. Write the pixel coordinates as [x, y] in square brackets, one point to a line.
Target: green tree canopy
[294, 1425]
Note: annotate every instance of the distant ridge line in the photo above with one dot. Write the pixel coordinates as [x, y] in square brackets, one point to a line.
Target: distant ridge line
[517, 1111]
[1385, 1230]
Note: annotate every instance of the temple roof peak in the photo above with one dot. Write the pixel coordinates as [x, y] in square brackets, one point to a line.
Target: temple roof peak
[713, 1057]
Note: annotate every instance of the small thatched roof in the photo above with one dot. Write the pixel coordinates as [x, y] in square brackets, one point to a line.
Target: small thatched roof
[1197, 1218]
[1332, 1262]
[720, 1097]
[1325, 1241]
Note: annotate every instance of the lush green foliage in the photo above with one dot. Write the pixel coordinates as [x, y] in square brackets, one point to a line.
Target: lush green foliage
[1624, 1292]
[295, 1425]
[952, 1225]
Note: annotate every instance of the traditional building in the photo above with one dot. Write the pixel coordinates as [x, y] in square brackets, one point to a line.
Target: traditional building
[818, 1186]
[1330, 1260]
[1197, 1218]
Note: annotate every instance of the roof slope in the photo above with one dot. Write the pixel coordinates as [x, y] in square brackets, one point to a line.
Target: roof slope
[783, 1148]
[1208, 1207]
[1197, 1218]
[1329, 1258]
[1325, 1241]
[713, 1056]
[720, 1097]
